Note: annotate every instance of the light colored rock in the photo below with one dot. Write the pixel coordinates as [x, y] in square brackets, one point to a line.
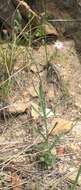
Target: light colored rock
[77, 129]
[72, 177]
[59, 125]
[18, 107]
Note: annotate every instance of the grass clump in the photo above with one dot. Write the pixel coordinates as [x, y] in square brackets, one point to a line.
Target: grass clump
[7, 62]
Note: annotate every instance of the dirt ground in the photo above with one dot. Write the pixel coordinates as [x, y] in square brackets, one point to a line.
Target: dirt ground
[60, 73]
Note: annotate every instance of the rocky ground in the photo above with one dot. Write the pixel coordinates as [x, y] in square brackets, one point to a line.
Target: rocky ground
[60, 73]
[57, 66]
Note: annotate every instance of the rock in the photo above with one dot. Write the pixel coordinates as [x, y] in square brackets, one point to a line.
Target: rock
[50, 30]
[77, 129]
[6, 11]
[59, 125]
[18, 107]
[72, 177]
